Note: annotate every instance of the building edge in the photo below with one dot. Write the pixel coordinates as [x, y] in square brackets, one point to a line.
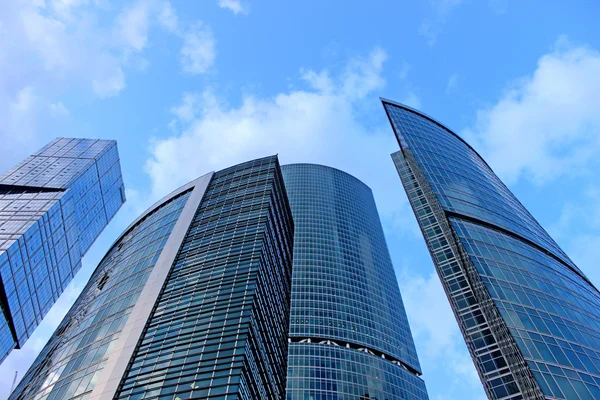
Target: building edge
[120, 357]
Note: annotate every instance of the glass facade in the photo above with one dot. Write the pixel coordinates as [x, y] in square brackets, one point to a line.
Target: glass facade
[217, 322]
[349, 334]
[70, 364]
[53, 205]
[219, 329]
[530, 317]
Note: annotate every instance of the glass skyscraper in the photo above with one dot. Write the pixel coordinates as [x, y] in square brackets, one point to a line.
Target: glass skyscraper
[53, 205]
[349, 335]
[529, 316]
[191, 301]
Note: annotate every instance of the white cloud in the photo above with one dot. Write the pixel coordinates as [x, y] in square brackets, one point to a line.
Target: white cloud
[316, 124]
[25, 100]
[58, 109]
[440, 344]
[64, 9]
[44, 48]
[17, 115]
[404, 70]
[361, 78]
[109, 83]
[194, 104]
[545, 125]
[427, 30]
[585, 252]
[167, 17]
[444, 7]
[430, 312]
[412, 100]
[452, 83]
[66, 44]
[408, 96]
[46, 36]
[582, 212]
[186, 111]
[198, 52]
[577, 229]
[431, 27]
[401, 222]
[498, 6]
[57, 47]
[132, 25]
[235, 6]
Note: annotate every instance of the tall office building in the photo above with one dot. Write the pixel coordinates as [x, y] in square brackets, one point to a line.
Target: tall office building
[349, 333]
[529, 316]
[53, 205]
[191, 301]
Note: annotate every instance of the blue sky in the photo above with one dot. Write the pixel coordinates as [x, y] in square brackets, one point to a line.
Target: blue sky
[191, 87]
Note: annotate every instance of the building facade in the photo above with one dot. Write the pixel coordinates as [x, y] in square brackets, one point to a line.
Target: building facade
[529, 316]
[53, 205]
[349, 335]
[192, 301]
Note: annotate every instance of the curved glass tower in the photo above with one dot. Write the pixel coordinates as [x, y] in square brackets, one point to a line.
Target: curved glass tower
[191, 301]
[529, 316]
[349, 335]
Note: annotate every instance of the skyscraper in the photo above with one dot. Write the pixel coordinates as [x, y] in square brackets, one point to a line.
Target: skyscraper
[529, 316]
[191, 301]
[349, 333]
[53, 205]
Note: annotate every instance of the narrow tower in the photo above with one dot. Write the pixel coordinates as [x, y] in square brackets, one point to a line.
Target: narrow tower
[53, 205]
[529, 316]
[192, 301]
[349, 334]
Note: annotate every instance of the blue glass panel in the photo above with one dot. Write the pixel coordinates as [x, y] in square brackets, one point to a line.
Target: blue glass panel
[53, 205]
[344, 292]
[75, 356]
[546, 305]
[519, 299]
[219, 329]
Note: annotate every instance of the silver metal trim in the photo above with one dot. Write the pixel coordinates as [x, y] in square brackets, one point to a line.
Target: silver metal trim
[118, 360]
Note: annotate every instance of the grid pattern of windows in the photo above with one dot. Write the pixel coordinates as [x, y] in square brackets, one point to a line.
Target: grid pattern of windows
[344, 292]
[530, 318]
[325, 372]
[462, 181]
[69, 365]
[473, 317]
[53, 205]
[219, 327]
[552, 314]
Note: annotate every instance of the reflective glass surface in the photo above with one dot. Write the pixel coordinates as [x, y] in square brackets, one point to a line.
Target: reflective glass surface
[552, 314]
[69, 365]
[53, 205]
[344, 293]
[463, 182]
[530, 318]
[492, 365]
[219, 329]
[325, 372]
